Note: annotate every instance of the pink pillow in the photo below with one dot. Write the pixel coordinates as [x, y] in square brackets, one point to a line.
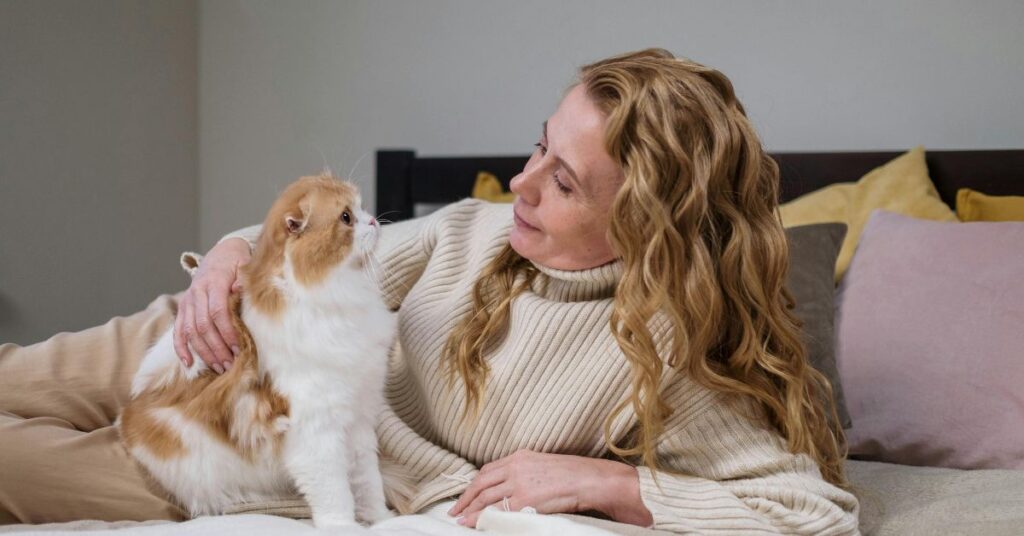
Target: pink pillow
[930, 343]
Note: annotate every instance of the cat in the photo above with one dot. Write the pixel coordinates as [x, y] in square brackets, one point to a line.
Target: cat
[296, 412]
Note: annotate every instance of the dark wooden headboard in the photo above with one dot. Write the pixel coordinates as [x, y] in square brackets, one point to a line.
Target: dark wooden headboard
[403, 179]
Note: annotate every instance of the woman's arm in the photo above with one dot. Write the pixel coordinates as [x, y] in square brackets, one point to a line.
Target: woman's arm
[730, 475]
[734, 475]
[438, 472]
[203, 321]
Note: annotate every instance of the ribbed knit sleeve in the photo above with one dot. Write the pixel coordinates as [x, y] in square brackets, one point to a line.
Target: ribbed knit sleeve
[402, 253]
[190, 260]
[250, 234]
[744, 480]
[439, 472]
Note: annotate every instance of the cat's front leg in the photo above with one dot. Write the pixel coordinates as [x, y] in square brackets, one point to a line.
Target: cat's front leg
[316, 458]
[367, 484]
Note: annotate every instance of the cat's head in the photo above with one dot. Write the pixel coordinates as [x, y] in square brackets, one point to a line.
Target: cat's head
[316, 226]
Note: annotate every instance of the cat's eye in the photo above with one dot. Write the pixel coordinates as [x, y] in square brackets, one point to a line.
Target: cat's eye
[346, 217]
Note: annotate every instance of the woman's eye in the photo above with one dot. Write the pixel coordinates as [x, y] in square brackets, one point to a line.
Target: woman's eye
[562, 187]
[346, 217]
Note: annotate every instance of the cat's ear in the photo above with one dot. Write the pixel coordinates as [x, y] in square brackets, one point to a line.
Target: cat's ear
[296, 224]
[296, 221]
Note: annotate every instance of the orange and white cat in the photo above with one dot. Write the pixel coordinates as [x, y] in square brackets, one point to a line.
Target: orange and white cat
[297, 410]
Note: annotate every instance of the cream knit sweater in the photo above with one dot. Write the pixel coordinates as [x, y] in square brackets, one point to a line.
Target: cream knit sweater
[553, 380]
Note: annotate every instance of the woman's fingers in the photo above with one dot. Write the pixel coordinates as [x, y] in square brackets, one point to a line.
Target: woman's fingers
[195, 339]
[208, 333]
[482, 482]
[180, 341]
[220, 313]
[500, 495]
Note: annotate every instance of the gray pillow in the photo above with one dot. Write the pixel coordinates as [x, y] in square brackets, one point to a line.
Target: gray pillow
[811, 280]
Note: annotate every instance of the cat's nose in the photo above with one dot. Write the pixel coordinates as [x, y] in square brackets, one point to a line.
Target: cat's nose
[373, 221]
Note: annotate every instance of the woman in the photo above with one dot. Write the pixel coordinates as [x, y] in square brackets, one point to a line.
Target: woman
[618, 340]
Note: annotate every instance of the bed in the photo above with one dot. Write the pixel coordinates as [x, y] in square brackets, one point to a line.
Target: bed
[895, 498]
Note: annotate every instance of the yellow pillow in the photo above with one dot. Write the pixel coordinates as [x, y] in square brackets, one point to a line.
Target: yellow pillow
[976, 206]
[902, 185]
[488, 188]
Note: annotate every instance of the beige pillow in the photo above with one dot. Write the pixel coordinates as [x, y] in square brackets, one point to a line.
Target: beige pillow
[902, 185]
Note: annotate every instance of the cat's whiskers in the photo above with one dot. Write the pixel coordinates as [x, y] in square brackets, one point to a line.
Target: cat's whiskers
[380, 272]
[352, 172]
[372, 265]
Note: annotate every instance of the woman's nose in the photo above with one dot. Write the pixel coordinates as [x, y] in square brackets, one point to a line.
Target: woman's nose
[522, 186]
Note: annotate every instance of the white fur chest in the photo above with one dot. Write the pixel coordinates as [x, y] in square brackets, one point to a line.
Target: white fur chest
[327, 349]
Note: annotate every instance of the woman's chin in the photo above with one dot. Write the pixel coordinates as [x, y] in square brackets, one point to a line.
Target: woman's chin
[520, 244]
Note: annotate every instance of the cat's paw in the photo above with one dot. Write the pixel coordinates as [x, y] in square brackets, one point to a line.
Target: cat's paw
[375, 515]
[324, 521]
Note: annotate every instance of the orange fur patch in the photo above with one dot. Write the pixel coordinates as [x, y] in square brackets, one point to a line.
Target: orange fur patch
[138, 427]
[209, 400]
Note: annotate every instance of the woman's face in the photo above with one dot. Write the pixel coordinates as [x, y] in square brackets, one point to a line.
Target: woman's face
[565, 192]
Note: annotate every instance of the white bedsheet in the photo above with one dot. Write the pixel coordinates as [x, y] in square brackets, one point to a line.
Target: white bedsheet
[432, 522]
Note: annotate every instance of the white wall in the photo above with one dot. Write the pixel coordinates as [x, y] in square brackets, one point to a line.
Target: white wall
[98, 159]
[99, 120]
[281, 82]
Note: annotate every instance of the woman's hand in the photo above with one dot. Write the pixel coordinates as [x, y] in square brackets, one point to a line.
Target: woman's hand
[204, 321]
[555, 483]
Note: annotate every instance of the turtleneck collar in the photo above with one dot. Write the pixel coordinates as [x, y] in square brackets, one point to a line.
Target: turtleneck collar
[578, 285]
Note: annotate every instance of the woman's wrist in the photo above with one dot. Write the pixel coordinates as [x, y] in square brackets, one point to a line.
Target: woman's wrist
[618, 495]
[232, 252]
[235, 244]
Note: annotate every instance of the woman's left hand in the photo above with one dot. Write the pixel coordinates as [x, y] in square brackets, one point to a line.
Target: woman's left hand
[554, 483]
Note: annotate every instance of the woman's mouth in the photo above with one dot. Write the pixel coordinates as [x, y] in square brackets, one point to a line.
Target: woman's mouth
[521, 223]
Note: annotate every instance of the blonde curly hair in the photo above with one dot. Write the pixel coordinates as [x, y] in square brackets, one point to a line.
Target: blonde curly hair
[697, 228]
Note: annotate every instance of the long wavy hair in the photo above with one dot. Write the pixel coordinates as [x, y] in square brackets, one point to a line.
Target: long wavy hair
[697, 228]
